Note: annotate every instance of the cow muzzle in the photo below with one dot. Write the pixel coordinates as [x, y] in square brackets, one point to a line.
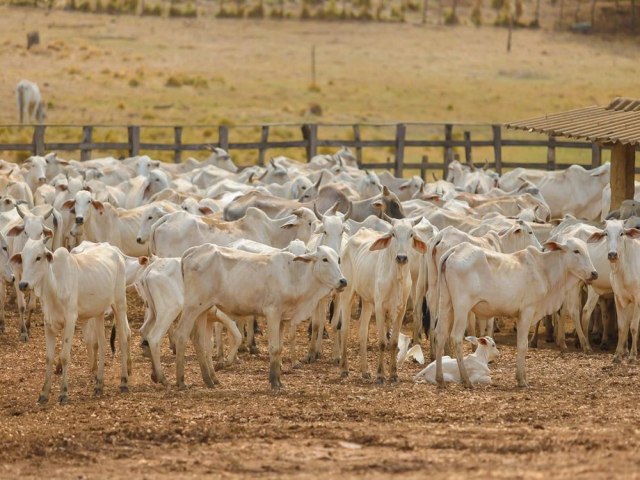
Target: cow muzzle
[23, 286]
[139, 240]
[402, 259]
[612, 256]
[592, 277]
[341, 284]
[42, 180]
[79, 220]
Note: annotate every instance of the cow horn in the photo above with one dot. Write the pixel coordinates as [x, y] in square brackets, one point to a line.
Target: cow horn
[334, 208]
[433, 175]
[250, 179]
[347, 215]
[263, 175]
[385, 191]
[272, 162]
[318, 214]
[319, 180]
[387, 218]
[209, 147]
[48, 214]
[20, 212]
[297, 212]
[486, 164]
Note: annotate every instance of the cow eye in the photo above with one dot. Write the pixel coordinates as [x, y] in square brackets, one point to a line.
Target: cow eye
[4, 248]
[621, 234]
[393, 235]
[38, 259]
[148, 218]
[325, 260]
[576, 251]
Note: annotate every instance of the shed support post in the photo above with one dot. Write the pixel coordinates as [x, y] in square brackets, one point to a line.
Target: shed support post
[622, 173]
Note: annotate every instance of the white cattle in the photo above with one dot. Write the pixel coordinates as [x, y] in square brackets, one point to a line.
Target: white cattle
[476, 363]
[377, 270]
[624, 256]
[406, 350]
[279, 286]
[606, 199]
[74, 287]
[403, 188]
[469, 178]
[7, 276]
[29, 102]
[574, 190]
[526, 285]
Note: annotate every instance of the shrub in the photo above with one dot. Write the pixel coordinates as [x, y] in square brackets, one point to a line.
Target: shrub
[173, 82]
[450, 18]
[256, 12]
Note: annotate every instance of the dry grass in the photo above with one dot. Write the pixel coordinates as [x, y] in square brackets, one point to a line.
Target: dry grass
[244, 71]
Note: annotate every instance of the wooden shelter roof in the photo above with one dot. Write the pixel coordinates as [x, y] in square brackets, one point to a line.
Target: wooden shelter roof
[618, 122]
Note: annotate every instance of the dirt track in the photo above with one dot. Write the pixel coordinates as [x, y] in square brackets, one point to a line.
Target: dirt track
[579, 418]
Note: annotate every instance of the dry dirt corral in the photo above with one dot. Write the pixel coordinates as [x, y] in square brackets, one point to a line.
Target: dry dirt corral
[579, 419]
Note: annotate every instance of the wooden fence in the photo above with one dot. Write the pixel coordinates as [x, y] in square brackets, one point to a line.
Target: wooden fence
[452, 136]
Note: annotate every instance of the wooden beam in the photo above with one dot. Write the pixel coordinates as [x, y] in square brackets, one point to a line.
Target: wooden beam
[622, 173]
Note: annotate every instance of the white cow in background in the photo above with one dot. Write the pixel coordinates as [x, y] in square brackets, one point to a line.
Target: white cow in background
[29, 102]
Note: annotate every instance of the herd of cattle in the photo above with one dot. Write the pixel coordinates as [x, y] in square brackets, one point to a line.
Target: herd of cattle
[209, 247]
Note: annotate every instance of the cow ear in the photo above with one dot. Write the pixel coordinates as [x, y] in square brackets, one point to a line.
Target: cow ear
[483, 341]
[304, 258]
[518, 230]
[87, 188]
[69, 204]
[98, 206]
[419, 245]
[404, 186]
[62, 187]
[632, 232]
[380, 243]
[378, 204]
[472, 340]
[205, 210]
[17, 259]
[143, 260]
[15, 231]
[552, 246]
[290, 224]
[596, 237]
[49, 256]
[48, 232]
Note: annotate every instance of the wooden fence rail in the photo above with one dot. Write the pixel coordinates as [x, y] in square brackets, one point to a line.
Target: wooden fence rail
[311, 142]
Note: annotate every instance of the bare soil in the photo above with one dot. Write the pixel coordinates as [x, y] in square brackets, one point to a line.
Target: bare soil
[578, 419]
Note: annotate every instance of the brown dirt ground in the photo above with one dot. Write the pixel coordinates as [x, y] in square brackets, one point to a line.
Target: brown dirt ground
[578, 419]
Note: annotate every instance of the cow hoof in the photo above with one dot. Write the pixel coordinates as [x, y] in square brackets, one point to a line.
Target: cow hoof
[219, 365]
[24, 337]
[296, 365]
[442, 385]
[617, 359]
[124, 389]
[64, 399]
[393, 379]
[523, 384]
[182, 386]
[533, 344]
[379, 380]
[366, 375]
[632, 360]
[344, 373]
[42, 399]
[253, 350]
[336, 361]
[243, 349]
[154, 377]
[97, 391]
[2, 328]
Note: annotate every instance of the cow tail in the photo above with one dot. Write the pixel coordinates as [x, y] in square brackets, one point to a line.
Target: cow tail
[112, 339]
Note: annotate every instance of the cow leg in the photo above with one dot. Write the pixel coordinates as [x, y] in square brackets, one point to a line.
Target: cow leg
[336, 324]
[31, 306]
[251, 324]
[317, 326]
[50, 340]
[201, 337]
[232, 328]
[119, 308]
[587, 311]
[482, 326]
[623, 330]
[20, 300]
[65, 355]
[183, 331]
[393, 346]
[217, 329]
[471, 324]
[275, 350]
[295, 363]
[3, 298]
[365, 318]
[98, 325]
[157, 329]
[534, 340]
[491, 326]
[524, 323]
[91, 341]
[343, 333]
[560, 330]
[633, 354]
[381, 327]
[461, 321]
[606, 319]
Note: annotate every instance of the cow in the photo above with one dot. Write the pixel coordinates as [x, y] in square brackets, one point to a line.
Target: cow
[29, 102]
[403, 188]
[623, 252]
[527, 285]
[468, 178]
[606, 200]
[376, 267]
[71, 288]
[281, 286]
[7, 276]
[574, 190]
[476, 363]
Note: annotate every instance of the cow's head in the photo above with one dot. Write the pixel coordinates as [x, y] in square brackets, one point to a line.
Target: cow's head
[325, 267]
[36, 170]
[388, 203]
[34, 259]
[398, 240]
[82, 206]
[5, 264]
[615, 232]
[518, 237]
[576, 257]
[486, 347]
[150, 215]
[369, 185]
[332, 227]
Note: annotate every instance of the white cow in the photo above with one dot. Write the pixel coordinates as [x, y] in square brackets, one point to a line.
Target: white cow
[624, 257]
[278, 286]
[526, 285]
[377, 269]
[29, 102]
[476, 363]
[7, 276]
[74, 287]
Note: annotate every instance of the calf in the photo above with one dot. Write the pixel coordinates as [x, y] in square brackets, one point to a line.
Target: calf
[74, 287]
[477, 364]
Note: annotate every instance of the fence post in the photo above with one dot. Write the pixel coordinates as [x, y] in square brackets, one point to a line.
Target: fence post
[310, 135]
[85, 149]
[264, 138]
[134, 140]
[38, 139]
[497, 147]
[596, 155]
[467, 148]
[177, 141]
[448, 151]
[401, 134]
[223, 137]
[423, 167]
[551, 153]
[358, 139]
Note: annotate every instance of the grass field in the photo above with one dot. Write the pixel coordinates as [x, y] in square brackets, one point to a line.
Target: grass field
[103, 69]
